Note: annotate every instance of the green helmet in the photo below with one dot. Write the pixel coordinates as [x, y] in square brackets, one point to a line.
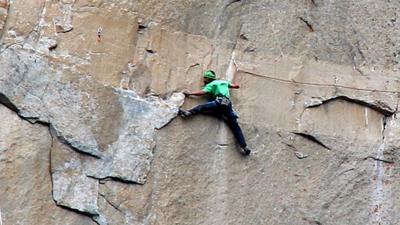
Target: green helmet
[209, 74]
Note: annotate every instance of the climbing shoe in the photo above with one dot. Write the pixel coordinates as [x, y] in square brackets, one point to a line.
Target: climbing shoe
[246, 150]
[184, 113]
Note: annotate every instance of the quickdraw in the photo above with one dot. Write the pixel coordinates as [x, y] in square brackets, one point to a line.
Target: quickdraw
[99, 34]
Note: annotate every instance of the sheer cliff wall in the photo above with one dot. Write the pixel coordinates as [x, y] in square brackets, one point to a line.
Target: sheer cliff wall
[90, 89]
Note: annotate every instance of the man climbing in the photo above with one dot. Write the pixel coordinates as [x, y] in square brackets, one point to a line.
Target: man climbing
[219, 105]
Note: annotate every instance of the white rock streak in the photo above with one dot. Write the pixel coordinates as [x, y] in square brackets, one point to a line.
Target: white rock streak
[378, 196]
[366, 116]
[381, 198]
[232, 68]
[219, 164]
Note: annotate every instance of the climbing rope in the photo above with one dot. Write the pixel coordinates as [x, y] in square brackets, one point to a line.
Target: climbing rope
[317, 84]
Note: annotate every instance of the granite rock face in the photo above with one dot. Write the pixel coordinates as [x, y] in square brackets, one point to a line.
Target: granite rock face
[26, 185]
[90, 88]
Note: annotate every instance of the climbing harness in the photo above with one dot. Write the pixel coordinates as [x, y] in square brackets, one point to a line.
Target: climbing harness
[225, 101]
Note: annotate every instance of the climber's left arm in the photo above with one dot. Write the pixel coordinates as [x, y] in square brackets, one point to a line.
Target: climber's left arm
[234, 85]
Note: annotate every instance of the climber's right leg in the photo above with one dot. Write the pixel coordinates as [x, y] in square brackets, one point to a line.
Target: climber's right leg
[211, 107]
[231, 120]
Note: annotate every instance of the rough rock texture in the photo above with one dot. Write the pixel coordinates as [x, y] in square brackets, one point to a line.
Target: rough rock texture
[26, 190]
[91, 89]
[71, 187]
[3, 14]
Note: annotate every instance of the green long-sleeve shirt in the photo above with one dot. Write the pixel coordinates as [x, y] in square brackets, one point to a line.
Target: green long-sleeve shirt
[217, 88]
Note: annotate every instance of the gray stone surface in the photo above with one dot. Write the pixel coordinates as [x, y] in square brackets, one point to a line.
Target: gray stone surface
[129, 158]
[71, 187]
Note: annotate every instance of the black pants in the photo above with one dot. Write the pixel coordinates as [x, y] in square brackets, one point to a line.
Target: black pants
[224, 112]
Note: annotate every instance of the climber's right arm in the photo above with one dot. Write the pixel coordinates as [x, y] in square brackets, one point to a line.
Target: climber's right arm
[234, 85]
[195, 93]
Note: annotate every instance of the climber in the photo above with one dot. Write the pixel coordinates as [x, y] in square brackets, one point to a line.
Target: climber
[219, 105]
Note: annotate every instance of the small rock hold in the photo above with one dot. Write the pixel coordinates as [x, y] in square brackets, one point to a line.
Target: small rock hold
[68, 1]
[150, 51]
[100, 219]
[307, 23]
[243, 36]
[142, 27]
[62, 27]
[53, 47]
[300, 155]
[46, 43]
[313, 102]
[250, 49]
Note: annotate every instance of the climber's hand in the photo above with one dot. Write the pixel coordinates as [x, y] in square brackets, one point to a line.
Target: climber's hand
[187, 93]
